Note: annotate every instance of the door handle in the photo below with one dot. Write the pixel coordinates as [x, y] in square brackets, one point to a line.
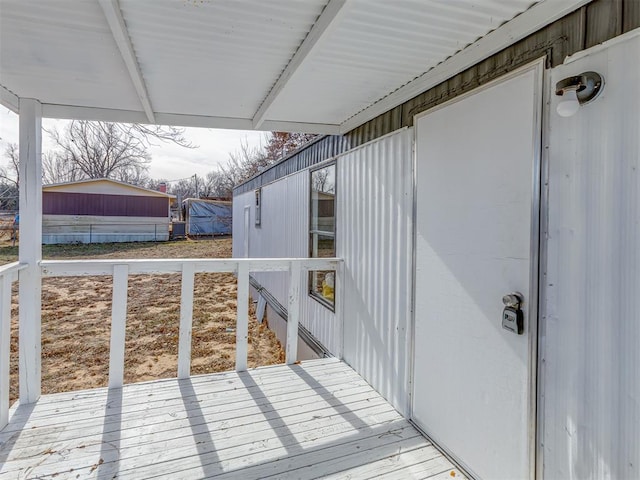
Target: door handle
[514, 299]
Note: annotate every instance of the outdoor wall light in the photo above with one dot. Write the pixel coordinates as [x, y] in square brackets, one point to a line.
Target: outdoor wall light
[576, 91]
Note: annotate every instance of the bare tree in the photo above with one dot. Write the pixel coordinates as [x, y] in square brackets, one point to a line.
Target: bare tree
[241, 165]
[185, 188]
[247, 162]
[149, 133]
[11, 173]
[214, 185]
[281, 144]
[100, 150]
[108, 150]
[9, 179]
[134, 175]
[56, 170]
[9, 196]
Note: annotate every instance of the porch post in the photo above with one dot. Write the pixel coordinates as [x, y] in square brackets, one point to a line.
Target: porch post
[30, 250]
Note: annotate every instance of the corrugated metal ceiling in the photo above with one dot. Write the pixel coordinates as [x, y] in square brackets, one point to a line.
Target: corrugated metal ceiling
[62, 52]
[382, 47]
[213, 63]
[215, 58]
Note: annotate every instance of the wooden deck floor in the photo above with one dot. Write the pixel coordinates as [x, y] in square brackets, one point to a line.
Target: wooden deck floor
[315, 420]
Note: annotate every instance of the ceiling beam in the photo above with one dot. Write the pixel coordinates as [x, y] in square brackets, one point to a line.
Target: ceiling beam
[322, 25]
[128, 116]
[9, 99]
[530, 21]
[120, 34]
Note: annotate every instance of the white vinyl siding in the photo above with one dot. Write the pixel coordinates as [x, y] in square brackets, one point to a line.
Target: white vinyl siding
[591, 335]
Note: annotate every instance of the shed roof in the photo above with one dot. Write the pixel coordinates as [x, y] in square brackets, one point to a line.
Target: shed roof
[103, 185]
[207, 200]
[322, 66]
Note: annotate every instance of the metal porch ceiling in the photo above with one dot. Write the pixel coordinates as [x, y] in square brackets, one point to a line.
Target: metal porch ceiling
[313, 65]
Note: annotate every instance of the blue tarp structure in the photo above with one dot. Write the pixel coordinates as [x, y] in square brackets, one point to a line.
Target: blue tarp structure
[207, 217]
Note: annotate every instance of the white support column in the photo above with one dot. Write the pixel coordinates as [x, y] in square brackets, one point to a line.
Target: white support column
[186, 321]
[294, 313]
[5, 346]
[118, 325]
[242, 322]
[338, 303]
[30, 251]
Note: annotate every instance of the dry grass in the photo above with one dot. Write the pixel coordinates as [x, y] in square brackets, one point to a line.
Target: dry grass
[6, 229]
[76, 317]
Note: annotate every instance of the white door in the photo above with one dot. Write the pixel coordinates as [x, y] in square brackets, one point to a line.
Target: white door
[477, 170]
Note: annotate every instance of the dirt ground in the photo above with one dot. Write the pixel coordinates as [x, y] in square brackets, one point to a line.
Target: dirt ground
[6, 229]
[76, 318]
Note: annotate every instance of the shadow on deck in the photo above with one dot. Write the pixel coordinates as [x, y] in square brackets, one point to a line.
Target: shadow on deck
[319, 419]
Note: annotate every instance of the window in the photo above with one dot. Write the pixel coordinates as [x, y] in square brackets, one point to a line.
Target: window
[322, 232]
[258, 206]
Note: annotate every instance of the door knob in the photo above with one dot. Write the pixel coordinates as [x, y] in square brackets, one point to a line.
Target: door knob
[514, 299]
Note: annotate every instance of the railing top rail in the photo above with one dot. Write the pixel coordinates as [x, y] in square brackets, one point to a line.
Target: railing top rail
[53, 268]
[11, 268]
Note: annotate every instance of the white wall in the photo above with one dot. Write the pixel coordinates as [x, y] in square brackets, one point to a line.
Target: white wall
[239, 203]
[591, 369]
[374, 236]
[283, 229]
[101, 229]
[284, 232]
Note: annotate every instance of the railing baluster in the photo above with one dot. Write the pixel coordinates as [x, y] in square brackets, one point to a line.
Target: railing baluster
[118, 325]
[242, 321]
[5, 346]
[186, 320]
[339, 314]
[294, 313]
[120, 269]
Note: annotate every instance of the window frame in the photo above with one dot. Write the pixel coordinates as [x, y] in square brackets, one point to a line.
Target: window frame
[310, 232]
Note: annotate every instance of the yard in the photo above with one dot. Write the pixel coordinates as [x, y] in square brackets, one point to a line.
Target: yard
[76, 317]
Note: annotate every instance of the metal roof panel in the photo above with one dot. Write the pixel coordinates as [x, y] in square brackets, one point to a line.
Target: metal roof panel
[215, 58]
[379, 46]
[313, 65]
[62, 52]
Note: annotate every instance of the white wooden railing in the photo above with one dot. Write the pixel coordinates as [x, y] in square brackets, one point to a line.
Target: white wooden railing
[8, 275]
[121, 269]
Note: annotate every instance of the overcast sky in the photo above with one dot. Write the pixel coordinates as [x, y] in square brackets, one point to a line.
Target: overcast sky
[168, 161]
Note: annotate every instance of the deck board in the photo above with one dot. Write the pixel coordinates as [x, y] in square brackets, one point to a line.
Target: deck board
[319, 419]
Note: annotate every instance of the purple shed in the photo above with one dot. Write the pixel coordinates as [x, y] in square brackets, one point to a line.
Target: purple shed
[104, 210]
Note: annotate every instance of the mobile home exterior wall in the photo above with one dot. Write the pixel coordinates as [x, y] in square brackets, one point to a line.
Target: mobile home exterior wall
[589, 397]
[591, 325]
[283, 228]
[373, 235]
[283, 232]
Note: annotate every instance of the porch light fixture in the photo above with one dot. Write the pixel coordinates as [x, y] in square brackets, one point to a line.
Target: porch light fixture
[576, 91]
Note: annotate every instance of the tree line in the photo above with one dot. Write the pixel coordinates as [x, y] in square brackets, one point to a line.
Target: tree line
[86, 150]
